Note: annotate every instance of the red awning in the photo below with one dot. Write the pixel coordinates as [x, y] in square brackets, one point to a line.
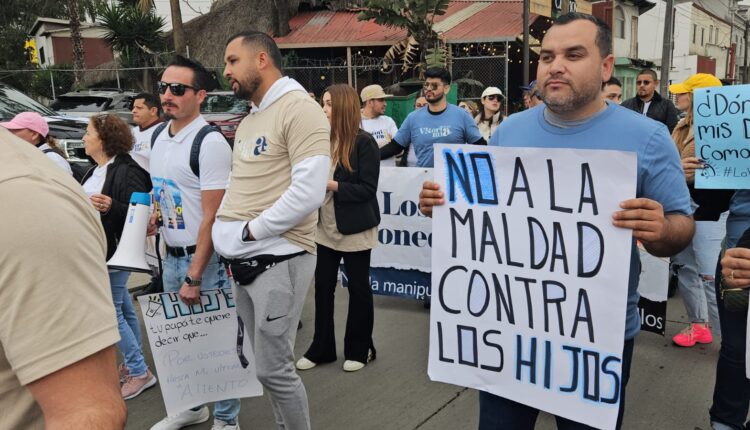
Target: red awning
[464, 21]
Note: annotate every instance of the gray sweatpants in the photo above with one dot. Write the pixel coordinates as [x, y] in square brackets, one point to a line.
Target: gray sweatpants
[270, 308]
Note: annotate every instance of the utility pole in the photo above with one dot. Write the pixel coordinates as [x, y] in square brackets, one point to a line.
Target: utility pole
[526, 7]
[666, 50]
[729, 74]
[745, 74]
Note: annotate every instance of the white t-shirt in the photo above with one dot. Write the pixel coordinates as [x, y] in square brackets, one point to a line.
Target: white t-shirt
[645, 107]
[141, 152]
[177, 190]
[95, 182]
[382, 128]
[56, 158]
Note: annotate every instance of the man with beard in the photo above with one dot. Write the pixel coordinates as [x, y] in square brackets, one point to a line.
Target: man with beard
[374, 120]
[650, 103]
[265, 228]
[441, 122]
[575, 58]
[190, 263]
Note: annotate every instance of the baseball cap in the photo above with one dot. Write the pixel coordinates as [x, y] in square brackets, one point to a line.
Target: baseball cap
[490, 91]
[698, 80]
[530, 86]
[373, 92]
[31, 120]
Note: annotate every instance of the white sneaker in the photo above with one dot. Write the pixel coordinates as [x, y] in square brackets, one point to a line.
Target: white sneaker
[183, 419]
[305, 364]
[353, 366]
[223, 425]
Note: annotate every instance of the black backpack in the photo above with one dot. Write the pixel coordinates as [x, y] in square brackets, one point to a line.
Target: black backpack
[195, 150]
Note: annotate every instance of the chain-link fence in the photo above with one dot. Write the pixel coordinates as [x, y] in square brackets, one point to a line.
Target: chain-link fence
[470, 74]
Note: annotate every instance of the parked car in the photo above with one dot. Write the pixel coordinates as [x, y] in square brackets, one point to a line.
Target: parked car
[94, 101]
[68, 131]
[224, 110]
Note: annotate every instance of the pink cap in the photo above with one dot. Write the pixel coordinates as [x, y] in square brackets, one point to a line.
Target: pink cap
[31, 120]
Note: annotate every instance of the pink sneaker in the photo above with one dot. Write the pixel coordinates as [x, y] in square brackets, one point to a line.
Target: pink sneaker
[123, 371]
[134, 386]
[692, 334]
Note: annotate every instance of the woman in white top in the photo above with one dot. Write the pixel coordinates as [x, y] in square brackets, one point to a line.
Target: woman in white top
[490, 115]
[31, 127]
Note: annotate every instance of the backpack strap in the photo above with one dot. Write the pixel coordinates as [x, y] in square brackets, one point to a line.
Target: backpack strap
[157, 132]
[47, 151]
[195, 150]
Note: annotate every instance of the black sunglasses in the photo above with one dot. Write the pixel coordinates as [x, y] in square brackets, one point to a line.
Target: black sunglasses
[642, 82]
[176, 89]
[431, 86]
[493, 97]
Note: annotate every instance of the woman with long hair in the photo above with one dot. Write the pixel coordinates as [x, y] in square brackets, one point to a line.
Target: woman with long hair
[347, 228]
[696, 264]
[109, 184]
[490, 115]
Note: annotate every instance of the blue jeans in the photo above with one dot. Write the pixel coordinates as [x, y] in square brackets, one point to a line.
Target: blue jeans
[732, 388]
[497, 413]
[127, 324]
[696, 272]
[173, 276]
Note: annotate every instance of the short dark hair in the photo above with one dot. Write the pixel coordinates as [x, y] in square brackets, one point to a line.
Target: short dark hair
[612, 81]
[603, 33]
[438, 72]
[150, 100]
[261, 41]
[649, 72]
[202, 78]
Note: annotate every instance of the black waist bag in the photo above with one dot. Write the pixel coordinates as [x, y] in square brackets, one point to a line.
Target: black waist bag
[245, 270]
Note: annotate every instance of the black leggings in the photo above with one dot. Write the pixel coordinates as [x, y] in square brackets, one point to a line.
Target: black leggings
[359, 321]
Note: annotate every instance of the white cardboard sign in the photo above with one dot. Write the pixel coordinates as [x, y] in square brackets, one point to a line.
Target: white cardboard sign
[530, 277]
[195, 350]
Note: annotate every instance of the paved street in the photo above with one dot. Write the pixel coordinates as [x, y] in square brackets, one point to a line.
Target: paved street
[670, 388]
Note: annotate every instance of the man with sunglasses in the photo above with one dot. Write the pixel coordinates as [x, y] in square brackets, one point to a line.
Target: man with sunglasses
[192, 199]
[441, 122]
[650, 103]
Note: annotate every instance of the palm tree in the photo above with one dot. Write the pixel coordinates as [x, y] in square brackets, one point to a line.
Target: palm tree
[422, 47]
[75, 38]
[178, 33]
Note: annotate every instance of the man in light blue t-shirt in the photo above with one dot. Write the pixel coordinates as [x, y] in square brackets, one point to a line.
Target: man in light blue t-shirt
[576, 57]
[441, 122]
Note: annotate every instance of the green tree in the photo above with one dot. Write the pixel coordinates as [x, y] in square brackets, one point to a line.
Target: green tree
[135, 34]
[422, 47]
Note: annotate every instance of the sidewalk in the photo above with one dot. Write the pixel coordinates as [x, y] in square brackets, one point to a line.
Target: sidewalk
[670, 388]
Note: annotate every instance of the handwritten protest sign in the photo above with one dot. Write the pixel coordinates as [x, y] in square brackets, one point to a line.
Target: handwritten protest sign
[653, 286]
[722, 129]
[195, 350]
[530, 276]
[400, 263]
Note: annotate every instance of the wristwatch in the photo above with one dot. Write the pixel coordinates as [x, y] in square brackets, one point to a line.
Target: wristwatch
[192, 282]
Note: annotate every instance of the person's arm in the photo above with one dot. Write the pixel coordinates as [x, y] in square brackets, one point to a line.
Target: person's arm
[304, 196]
[204, 248]
[662, 235]
[366, 187]
[85, 394]
[390, 149]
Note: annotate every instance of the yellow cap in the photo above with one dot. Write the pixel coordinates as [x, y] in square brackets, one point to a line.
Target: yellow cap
[698, 80]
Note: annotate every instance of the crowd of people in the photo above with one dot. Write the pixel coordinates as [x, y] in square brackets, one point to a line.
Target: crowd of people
[296, 196]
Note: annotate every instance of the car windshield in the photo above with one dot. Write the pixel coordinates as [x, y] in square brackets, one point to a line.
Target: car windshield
[80, 104]
[224, 103]
[13, 102]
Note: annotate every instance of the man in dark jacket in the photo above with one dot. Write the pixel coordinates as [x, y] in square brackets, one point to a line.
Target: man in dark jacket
[650, 103]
